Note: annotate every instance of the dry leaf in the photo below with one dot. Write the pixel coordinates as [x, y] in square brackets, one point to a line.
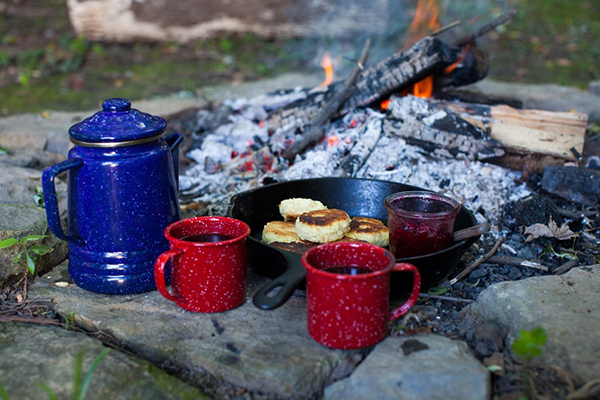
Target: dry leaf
[551, 230]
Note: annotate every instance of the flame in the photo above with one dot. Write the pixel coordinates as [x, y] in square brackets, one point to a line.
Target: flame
[425, 20]
[328, 67]
[385, 104]
[424, 88]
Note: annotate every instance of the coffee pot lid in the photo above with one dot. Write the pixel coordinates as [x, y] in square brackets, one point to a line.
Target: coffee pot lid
[116, 125]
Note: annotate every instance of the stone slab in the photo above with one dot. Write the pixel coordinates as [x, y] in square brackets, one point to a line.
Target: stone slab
[251, 89]
[49, 130]
[17, 221]
[566, 306]
[418, 367]
[265, 352]
[549, 97]
[33, 354]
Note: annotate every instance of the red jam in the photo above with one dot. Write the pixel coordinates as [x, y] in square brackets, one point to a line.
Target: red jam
[420, 222]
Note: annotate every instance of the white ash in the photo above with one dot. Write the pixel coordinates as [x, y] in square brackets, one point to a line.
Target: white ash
[481, 187]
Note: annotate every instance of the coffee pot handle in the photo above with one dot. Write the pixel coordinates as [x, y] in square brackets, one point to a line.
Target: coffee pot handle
[51, 200]
[403, 309]
[173, 141]
[159, 274]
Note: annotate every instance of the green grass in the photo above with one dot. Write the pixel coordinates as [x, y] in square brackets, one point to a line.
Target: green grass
[549, 41]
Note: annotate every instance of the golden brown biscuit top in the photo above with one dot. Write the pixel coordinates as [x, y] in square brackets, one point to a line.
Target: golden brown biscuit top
[367, 225]
[323, 217]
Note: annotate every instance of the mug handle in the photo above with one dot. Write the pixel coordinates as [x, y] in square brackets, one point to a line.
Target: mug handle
[159, 273]
[403, 309]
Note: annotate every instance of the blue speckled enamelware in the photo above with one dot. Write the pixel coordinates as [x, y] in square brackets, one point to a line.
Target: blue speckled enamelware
[123, 180]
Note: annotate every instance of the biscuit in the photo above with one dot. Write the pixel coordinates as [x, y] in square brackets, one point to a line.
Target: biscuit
[291, 209]
[369, 230]
[280, 231]
[323, 226]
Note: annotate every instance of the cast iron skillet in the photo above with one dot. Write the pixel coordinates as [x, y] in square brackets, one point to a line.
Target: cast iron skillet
[358, 197]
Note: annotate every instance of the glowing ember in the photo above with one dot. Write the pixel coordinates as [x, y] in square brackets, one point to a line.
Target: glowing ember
[463, 54]
[247, 166]
[385, 104]
[332, 141]
[328, 67]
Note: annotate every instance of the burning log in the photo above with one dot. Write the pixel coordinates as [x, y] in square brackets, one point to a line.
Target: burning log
[397, 72]
[316, 131]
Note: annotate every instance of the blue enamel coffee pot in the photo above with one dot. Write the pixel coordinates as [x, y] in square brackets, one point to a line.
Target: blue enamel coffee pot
[123, 184]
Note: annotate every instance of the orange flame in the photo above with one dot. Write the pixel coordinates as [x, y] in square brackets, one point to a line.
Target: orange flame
[385, 104]
[425, 20]
[424, 88]
[328, 67]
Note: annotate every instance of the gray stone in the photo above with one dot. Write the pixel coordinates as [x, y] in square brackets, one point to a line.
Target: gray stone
[49, 131]
[18, 185]
[267, 352]
[549, 97]
[17, 221]
[251, 89]
[417, 367]
[566, 306]
[31, 355]
[594, 87]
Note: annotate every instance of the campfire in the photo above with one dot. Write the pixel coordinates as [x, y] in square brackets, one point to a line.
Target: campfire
[390, 121]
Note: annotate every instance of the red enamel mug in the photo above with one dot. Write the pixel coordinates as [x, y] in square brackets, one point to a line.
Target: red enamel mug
[347, 293]
[207, 264]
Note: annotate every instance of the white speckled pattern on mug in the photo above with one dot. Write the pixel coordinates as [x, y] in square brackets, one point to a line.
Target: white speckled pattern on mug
[207, 276]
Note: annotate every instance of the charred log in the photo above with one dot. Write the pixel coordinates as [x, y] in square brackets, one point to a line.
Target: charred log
[575, 184]
[441, 133]
[361, 151]
[391, 75]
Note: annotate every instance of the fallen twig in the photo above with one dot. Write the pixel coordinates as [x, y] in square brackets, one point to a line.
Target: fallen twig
[446, 298]
[566, 267]
[316, 131]
[515, 262]
[477, 263]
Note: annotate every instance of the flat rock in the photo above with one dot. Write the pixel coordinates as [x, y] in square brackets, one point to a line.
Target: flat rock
[549, 97]
[417, 367]
[17, 221]
[267, 352]
[566, 306]
[33, 354]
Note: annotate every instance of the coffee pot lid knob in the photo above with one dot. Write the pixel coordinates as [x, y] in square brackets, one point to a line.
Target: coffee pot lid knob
[116, 105]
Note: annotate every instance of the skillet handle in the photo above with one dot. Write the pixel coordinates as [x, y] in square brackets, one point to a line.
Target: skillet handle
[287, 282]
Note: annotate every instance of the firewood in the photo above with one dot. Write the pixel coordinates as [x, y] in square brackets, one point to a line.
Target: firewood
[391, 75]
[316, 130]
[440, 132]
[361, 150]
[522, 132]
[574, 184]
